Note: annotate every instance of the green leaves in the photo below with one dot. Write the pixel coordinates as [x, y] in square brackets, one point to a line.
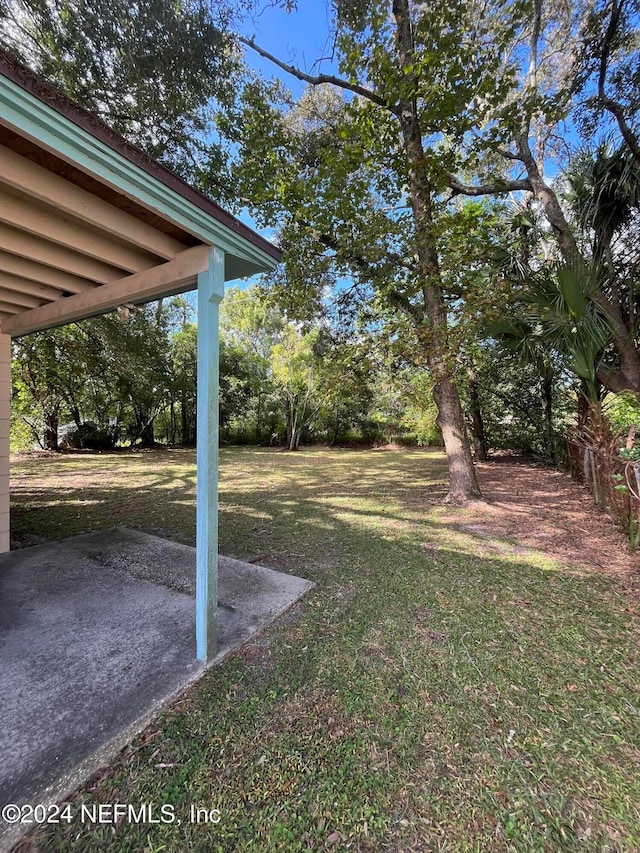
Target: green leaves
[561, 312]
[604, 192]
[149, 69]
[573, 292]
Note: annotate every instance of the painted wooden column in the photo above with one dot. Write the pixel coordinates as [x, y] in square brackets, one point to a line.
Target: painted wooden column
[5, 414]
[210, 293]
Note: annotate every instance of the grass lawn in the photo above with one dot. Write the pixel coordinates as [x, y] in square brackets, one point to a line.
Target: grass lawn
[424, 696]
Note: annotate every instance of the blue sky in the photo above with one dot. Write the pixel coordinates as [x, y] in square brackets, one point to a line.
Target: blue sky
[300, 38]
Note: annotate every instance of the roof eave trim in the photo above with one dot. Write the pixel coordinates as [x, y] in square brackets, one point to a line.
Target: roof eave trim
[28, 114]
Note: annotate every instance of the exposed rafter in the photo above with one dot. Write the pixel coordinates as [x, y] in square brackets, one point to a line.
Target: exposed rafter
[33, 248]
[22, 300]
[171, 277]
[42, 275]
[44, 186]
[69, 232]
[43, 117]
[20, 285]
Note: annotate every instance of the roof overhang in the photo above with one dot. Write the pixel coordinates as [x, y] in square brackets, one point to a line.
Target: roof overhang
[89, 222]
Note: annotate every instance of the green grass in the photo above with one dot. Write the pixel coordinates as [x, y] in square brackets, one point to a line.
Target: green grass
[422, 697]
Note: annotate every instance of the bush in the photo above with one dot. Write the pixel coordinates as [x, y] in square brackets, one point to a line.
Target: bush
[622, 411]
[89, 436]
[21, 436]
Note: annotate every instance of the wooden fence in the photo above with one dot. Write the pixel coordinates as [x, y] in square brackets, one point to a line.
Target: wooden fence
[614, 483]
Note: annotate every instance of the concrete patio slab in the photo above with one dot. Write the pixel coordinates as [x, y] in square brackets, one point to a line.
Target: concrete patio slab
[96, 636]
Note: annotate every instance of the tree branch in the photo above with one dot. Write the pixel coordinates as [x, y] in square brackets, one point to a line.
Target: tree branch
[628, 135]
[329, 241]
[532, 79]
[607, 41]
[497, 188]
[508, 155]
[318, 79]
[400, 303]
[612, 379]
[526, 410]
[614, 107]
[503, 152]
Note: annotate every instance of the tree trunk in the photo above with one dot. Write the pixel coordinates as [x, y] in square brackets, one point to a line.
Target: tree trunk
[479, 437]
[144, 427]
[463, 483]
[50, 437]
[336, 428]
[292, 416]
[547, 408]
[75, 414]
[300, 422]
[147, 436]
[628, 374]
[172, 422]
[293, 444]
[184, 420]
[549, 200]
[258, 430]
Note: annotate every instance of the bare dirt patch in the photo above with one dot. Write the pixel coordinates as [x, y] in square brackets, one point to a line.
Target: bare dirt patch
[540, 508]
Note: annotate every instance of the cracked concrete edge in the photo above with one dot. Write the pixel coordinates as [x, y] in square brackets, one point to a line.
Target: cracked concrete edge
[69, 782]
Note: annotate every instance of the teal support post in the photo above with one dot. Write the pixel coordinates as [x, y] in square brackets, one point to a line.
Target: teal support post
[210, 293]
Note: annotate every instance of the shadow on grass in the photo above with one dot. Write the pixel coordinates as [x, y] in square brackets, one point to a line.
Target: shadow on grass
[424, 696]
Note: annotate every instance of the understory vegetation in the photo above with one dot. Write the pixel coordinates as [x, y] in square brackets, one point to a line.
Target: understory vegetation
[107, 382]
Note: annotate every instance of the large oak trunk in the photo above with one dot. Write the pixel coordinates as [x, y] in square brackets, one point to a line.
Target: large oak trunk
[462, 475]
[463, 483]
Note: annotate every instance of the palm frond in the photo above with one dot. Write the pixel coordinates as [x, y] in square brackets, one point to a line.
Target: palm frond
[604, 190]
[559, 314]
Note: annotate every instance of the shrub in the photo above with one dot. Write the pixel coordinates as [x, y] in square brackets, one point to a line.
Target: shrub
[89, 436]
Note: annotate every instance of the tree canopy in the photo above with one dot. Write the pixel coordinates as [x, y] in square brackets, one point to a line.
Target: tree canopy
[154, 71]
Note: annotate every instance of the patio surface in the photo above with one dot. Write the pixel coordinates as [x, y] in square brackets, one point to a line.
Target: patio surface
[96, 636]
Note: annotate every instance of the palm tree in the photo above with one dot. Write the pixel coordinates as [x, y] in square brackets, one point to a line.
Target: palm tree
[556, 317]
[604, 193]
[565, 318]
